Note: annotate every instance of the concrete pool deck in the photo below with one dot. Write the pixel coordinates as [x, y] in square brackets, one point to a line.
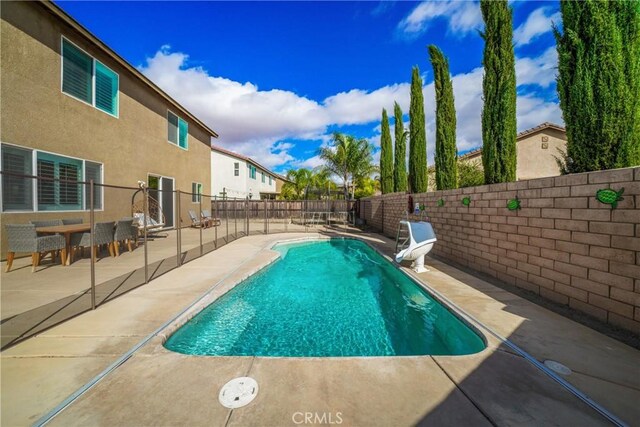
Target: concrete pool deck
[159, 387]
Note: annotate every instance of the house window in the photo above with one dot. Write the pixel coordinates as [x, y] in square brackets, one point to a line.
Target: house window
[93, 171]
[263, 177]
[89, 80]
[252, 171]
[196, 190]
[178, 131]
[59, 187]
[17, 192]
[269, 179]
[236, 169]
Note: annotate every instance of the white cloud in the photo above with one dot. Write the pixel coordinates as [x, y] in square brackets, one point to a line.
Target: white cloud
[359, 106]
[537, 23]
[540, 71]
[254, 122]
[310, 163]
[463, 17]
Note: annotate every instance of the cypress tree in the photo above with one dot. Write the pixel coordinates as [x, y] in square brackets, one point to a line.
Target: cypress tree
[599, 83]
[446, 152]
[499, 93]
[417, 137]
[386, 156]
[400, 153]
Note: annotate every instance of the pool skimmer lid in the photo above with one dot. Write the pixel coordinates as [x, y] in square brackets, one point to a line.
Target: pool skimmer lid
[557, 367]
[238, 392]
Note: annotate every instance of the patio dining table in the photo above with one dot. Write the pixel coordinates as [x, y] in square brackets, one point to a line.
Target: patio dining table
[67, 231]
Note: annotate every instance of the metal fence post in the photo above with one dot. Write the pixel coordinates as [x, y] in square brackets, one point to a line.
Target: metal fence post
[91, 242]
[178, 231]
[226, 216]
[246, 214]
[235, 218]
[215, 228]
[145, 208]
[201, 223]
[265, 216]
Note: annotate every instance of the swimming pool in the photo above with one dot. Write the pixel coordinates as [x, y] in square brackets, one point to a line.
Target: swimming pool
[326, 298]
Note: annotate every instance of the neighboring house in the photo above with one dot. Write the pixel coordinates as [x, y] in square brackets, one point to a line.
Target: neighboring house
[537, 148]
[235, 175]
[72, 108]
[280, 181]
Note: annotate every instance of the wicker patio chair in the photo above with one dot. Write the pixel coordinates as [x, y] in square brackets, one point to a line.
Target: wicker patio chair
[47, 223]
[72, 221]
[103, 235]
[125, 232]
[23, 238]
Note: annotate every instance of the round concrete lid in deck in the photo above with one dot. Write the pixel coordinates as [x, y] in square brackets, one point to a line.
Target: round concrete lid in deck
[238, 392]
[557, 367]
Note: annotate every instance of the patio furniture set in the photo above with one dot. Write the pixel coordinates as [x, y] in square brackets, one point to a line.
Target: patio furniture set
[66, 237]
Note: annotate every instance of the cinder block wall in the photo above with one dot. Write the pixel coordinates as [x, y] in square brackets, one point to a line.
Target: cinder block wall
[562, 244]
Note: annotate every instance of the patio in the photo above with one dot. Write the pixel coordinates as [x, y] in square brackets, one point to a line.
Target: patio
[156, 386]
[31, 302]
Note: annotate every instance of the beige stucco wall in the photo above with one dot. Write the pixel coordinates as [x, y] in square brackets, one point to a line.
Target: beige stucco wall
[35, 113]
[535, 161]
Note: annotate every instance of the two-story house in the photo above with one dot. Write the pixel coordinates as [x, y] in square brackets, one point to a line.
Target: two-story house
[73, 109]
[235, 175]
[537, 149]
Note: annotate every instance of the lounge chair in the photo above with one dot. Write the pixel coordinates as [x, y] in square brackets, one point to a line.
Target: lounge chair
[206, 216]
[125, 232]
[23, 238]
[102, 235]
[195, 222]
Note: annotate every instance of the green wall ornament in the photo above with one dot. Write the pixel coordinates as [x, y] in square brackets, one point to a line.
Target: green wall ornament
[466, 201]
[513, 204]
[609, 196]
[440, 202]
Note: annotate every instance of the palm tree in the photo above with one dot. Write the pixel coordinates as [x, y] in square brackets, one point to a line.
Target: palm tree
[299, 179]
[348, 158]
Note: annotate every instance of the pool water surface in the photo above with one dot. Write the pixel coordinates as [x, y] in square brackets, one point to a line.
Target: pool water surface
[326, 298]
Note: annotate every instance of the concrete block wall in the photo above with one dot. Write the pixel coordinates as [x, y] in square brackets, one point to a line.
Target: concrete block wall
[562, 244]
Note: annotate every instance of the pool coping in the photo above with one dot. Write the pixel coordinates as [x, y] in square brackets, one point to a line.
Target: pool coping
[155, 337]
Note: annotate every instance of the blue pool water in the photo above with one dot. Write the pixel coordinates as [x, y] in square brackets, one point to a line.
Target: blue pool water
[326, 298]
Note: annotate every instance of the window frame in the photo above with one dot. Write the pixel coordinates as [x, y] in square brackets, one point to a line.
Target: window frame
[236, 168]
[177, 143]
[34, 182]
[93, 78]
[196, 196]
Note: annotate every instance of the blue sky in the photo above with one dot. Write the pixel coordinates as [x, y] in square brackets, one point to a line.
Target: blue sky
[274, 79]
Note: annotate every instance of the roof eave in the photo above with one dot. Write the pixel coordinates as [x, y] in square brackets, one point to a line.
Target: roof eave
[56, 10]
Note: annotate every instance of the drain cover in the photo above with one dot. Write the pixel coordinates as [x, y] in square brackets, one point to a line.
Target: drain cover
[238, 392]
[557, 367]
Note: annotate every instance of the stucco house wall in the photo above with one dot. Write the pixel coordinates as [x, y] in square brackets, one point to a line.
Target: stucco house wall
[537, 149]
[37, 114]
[224, 180]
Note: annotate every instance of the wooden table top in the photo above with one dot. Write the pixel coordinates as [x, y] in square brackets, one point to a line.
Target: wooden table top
[69, 228]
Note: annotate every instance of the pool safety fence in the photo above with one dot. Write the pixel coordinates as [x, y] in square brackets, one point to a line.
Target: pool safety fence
[120, 237]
